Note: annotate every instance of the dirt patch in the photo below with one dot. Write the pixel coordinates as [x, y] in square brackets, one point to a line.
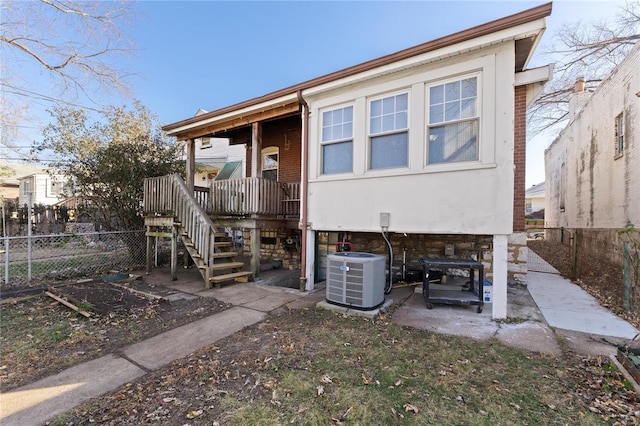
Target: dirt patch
[600, 279]
[41, 336]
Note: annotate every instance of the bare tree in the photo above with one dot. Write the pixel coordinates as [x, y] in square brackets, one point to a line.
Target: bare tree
[60, 53]
[590, 51]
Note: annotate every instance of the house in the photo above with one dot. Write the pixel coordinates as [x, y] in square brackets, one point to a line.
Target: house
[10, 172]
[217, 159]
[423, 148]
[592, 166]
[534, 200]
[41, 188]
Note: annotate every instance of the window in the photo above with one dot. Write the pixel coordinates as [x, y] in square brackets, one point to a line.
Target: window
[205, 143]
[528, 206]
[270, 163]
[389, 132]
[619, 132]
[453, 128]
[337, 141]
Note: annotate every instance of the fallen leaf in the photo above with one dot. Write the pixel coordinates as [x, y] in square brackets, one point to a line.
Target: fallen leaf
[320, 390]
[194, 414]
[411, 407]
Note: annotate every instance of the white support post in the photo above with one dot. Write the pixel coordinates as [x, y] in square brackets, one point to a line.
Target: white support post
[310, 261]
[500, 264]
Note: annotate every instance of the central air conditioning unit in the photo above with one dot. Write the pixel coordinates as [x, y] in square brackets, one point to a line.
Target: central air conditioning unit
[356, 280]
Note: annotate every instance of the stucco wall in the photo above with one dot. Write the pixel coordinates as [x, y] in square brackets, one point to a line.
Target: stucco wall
[466, 198]
[601, 189]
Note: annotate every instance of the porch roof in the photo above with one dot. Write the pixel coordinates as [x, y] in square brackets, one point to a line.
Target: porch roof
[285, 101]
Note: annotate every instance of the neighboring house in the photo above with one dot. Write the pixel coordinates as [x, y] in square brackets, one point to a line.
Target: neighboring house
[217, 159]
[534, 199]
[425, 147]
[593, 166]
[10, 173]
[41, 188]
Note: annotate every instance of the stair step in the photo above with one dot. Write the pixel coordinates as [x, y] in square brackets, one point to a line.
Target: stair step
[224, 254]
[222, 244]
[219, 234]
[228, 265]
[189, 244]
[228, 277]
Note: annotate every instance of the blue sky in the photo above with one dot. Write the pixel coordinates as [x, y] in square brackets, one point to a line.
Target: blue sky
[210, 54]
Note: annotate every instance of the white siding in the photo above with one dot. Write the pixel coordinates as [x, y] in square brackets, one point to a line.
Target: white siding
[602, 190]
[43, 189]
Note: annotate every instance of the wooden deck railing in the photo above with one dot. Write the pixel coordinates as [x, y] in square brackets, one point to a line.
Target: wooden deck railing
[169, 195]
[254, 196]
[235, 197]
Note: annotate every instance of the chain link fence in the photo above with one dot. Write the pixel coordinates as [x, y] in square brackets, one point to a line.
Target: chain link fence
[42, 260]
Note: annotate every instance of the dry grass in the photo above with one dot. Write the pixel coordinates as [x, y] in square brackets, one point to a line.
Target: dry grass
[318, 368]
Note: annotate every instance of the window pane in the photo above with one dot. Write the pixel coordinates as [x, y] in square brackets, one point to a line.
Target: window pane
[389, 151]
[337, 158]
[401, 120]
[337, 116]
[347, 129]
[436, 95]
[453, 142]
[468, 108]
[327, 118]
[337, 132]
[376, 124]
[388, 124]
[436, 113]
[347, 114]
[452, 91]
[326, 133]
[451, 111]
[388, 105]
[376, 108]
[402, 102]
[469, 88]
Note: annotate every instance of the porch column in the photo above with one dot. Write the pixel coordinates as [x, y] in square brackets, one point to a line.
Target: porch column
[191, 164]
[254, 263]
[256, 149]
[500, 262]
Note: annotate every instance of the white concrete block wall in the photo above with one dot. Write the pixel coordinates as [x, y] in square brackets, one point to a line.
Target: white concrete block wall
[601, 188]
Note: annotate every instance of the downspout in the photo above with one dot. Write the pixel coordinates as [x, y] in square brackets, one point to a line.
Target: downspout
[303, 189]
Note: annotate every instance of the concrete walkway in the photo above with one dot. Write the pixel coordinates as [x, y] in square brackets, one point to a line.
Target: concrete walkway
[45, 399]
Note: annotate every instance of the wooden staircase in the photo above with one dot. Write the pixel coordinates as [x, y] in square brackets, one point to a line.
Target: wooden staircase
[211, 251]
[224, 267]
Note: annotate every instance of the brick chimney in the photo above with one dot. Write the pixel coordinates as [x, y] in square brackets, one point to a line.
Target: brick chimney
[578, 99]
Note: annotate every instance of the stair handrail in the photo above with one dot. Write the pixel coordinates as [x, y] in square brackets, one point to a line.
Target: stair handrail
[169, 194]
